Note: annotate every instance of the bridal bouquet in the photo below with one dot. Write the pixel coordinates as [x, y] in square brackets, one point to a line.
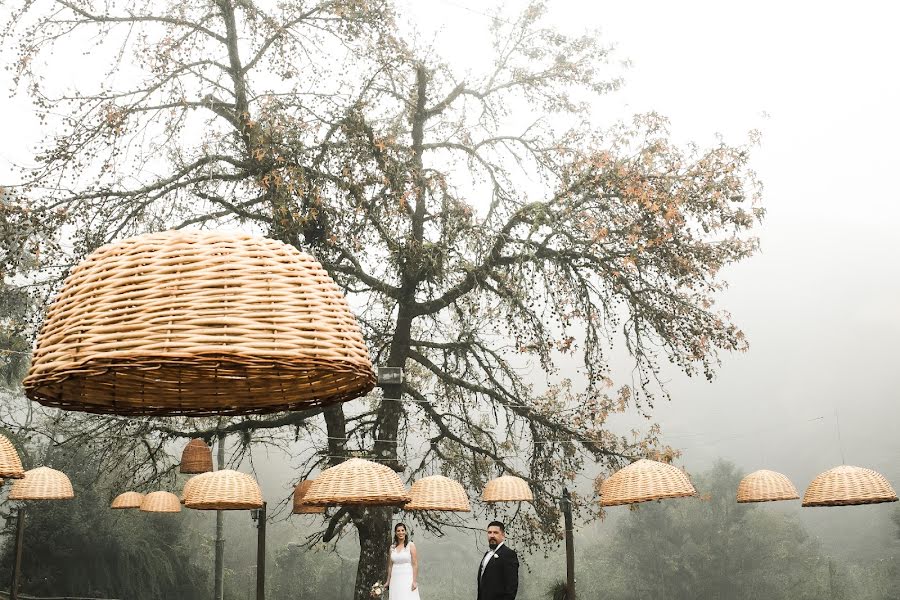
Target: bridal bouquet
[377, 590]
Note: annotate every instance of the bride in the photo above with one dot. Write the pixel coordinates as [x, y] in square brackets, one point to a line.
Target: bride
[403, 567]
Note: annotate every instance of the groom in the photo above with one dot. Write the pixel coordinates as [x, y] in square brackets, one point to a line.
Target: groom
[498, 573]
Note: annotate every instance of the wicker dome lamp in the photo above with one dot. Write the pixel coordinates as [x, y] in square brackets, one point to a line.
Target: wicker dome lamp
[847, 486]
[437, 492]
[127, 500]
[357, 482]
[196, 458]
[231, 490]
[506, 488]
[160, 502]
[41, 483]
[300, 506]
[198, 323]
[766, 486]
[645, 480]
[222, 490]
[10, 463]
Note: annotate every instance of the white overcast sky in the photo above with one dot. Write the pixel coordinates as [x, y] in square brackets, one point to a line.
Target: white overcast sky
[821, 302]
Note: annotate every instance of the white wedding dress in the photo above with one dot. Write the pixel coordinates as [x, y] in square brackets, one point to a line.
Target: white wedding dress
[402, 576]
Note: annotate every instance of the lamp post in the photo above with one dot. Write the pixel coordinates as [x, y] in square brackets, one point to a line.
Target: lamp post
[17, 553]
[259, 515]
[565, 504]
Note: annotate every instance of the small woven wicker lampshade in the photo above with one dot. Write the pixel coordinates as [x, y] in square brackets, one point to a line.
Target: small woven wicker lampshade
[128, 500]
[846, 486]
[222, 490]
[301, 507]
[766, 486]
[196, 457]
[357, 481]
[162, 502]
[645, 480]
[10, 463]
[506, 488]
[438, 493]
[198, 323]
[42, 483]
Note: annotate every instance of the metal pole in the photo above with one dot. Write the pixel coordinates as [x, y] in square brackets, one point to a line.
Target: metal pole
[17, 554]
[566, 506]
[219, 574]
[261, 554]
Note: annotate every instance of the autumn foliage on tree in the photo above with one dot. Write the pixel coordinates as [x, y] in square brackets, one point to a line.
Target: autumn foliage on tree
[484, 229]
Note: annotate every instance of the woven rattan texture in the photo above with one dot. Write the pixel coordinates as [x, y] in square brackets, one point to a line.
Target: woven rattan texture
[506, 488]
[128, 500]
[198, 323]
[42, 483]
[161, 502]
[196, 458]
[10, 463]
[360, 482]
[438, 493]
[300, 507]
[223, 490]
[846, 486]
[766, 486]
[645, 480]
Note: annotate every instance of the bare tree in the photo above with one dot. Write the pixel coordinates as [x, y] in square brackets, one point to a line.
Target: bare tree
[484, 227]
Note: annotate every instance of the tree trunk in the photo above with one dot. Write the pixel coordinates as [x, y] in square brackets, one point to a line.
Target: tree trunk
[373, 525]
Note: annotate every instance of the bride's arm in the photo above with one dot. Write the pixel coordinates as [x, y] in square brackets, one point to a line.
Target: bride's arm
[387, 582]
[415, 565]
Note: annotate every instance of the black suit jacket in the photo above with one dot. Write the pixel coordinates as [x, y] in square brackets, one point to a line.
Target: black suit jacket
[500, 579]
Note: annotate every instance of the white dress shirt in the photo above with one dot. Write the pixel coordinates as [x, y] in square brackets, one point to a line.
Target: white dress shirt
[487, 558]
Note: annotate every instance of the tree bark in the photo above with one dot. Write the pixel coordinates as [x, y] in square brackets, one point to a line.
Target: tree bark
[373, 526]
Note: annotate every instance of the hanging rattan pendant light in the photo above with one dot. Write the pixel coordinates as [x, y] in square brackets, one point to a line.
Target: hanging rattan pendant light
[42, 483]
[161, 502]
[196, 458]
[847, 486]
[645, 480]
[198, 323]
[357, 482]
[506, 488]
[10, 463]
[766, 486]
[438, 493]
[127, 500]
[301, 507]
[222, 490]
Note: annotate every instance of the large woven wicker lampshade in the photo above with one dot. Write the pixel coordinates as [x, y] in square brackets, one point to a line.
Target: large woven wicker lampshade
[438, 493]
[846, 486]
[42, 483]
[301, 507]
[10, 463]
[127, 500]
[161, 502]
[196, 457]
[506, 488]
[360, 482]
[222, 490]
[645, 480]
[198, 323]
[766, 486]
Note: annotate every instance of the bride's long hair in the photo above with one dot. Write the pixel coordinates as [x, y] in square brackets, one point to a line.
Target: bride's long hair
[406, 539]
